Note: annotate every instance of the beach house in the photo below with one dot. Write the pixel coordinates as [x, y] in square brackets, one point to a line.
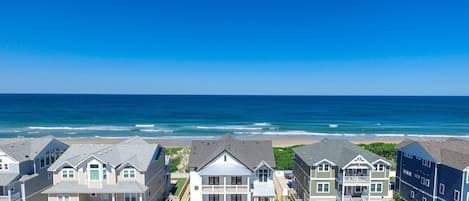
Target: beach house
[340, 170]
[132, 170]
[433, 170]
[23, 167]
[230, 169]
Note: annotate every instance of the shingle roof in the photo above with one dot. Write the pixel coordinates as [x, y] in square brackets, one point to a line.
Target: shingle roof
[134, 150]
[452, 152]
[23, 149]
[6, 178]
[248, 152]
[340, 152]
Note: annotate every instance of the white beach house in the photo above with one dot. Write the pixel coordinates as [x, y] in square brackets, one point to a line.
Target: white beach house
[132, 170]
[23, 167]
[230, 169]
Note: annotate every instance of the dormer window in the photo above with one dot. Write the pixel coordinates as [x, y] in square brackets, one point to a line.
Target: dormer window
[378, 167]
[94, 172]
[129, 173]
[323, 167]
[68, 173]
[263, 175]
[3, 165]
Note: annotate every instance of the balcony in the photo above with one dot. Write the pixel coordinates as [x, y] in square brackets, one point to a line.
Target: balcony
[221, 189]
[354, 180]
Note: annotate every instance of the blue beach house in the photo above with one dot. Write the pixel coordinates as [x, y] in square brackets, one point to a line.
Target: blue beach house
[433, 170]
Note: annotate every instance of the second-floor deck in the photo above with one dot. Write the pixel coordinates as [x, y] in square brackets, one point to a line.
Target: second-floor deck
[354, 180]
[221, 189]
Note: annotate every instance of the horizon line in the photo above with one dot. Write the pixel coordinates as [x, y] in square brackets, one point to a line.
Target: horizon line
[189, 94]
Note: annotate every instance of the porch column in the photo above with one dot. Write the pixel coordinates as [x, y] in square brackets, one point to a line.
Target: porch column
[113, 196]
[224, 188]
[369, 190]
[343, 186]
[140, 197]
[249, 190]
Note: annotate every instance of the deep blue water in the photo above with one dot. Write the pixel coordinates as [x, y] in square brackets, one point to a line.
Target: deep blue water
[186, 115]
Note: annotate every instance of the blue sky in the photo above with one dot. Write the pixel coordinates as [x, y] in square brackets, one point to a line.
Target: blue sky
[235, 47]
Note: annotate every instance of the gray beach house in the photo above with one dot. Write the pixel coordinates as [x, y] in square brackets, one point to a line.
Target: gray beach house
[132, 170]
[230, 169]
[340, 170]
[23, 167]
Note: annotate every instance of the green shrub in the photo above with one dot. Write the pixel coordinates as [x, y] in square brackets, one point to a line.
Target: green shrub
[284, 157]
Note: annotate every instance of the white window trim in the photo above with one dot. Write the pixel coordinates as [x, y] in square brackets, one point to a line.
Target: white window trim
[424, 199]
[128, 170]
[412, 194]
[376, 187]
[68, 170]
[378, 166]
[441, 189]
[456, 192]
[98, 169]
[323, 183]
[63, 196]
[323, 166]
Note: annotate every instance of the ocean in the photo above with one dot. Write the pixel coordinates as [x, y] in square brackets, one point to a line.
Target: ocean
[194, 116]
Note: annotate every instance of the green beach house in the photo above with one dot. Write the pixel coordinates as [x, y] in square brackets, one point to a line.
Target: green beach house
[340, 170]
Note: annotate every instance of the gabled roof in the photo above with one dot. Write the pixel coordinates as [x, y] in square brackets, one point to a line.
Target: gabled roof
[452, 152]
[135, 151]
[340, 152]
[248, 152]
[7, 178]
[24, 149]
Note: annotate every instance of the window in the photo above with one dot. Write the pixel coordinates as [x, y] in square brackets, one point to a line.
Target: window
[47, 158]
[412, 194]
[130, 197]
[407, 155]
[196, 188]
[63, 198]
[236, 197]
[441, 190]
[407, 172]
[5, 166]
[456, 195]
[378, 167]
[214, 180]
[224, 158]
[263, 175]
[43, 163]
[213, 197]
[104, 174]
[67, 173]
[376, 187]
[323, 167]
[426, 163]
[129, 173]
[94, 172]
[322, 187]
[236, 180]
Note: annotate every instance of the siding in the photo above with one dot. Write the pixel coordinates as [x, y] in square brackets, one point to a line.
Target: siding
[332, 188]
[451, 178]
[385, 188]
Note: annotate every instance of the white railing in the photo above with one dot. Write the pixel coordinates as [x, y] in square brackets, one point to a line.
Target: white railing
[4, 198]
[223, 188]
[354, 179]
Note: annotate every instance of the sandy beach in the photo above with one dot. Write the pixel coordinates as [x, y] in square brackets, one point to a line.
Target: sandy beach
[276, 141]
